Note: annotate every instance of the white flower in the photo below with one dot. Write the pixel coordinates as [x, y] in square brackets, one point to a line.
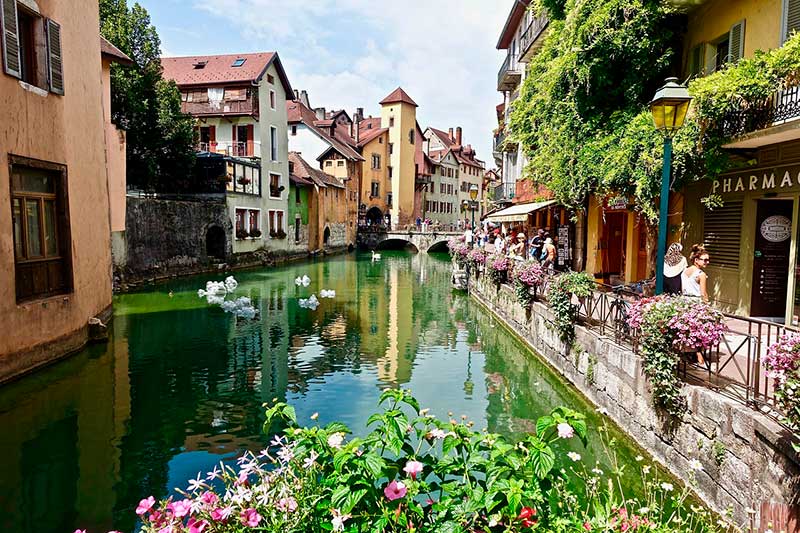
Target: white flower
[213, 474]
[437, 434]
[597, 471]
[196, 484]
[565, 431]
[667, 487]
[696, 465]
[644, 510]
[338, 520]
[335, 440]
[309, 461]
[646, 469]
[574, 456]
[602, 411]
[639, 458]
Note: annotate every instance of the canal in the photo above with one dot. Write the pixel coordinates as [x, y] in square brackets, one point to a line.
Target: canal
[180, 385]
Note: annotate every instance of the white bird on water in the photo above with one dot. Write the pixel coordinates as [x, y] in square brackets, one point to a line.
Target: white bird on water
[375, 257]
[304, 281]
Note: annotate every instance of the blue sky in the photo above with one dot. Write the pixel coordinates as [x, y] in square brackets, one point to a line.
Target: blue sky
[352, 53]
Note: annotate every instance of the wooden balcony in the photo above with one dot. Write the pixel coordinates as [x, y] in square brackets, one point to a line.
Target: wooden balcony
[221, 109]
[510, 73]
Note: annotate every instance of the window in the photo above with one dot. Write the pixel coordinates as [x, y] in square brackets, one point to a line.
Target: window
[375, 191]
[391, 148]
[240, 218]
[391, 122]
[272, 99]
[340, 163]
[297, 194]
[238, 62]
[235, 95]
[722, 233]
[41, 232]
[279, 223]
[273, 143]
[411, 136]
[294, 130]
[275, 185]
[376, 161]
[380, 140]
[24, 35]
[390, 171]
[254, 225]
[270, 79]
[275, 222]
[328, 163]
[389, 199]
[791, 18]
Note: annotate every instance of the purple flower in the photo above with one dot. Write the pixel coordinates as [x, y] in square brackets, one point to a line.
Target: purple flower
[395, 490]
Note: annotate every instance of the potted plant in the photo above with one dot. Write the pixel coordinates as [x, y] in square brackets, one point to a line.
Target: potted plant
[242, 234]
[281, 234]
[244, 180]
[256, 233]
[273, 233]
[226, 178]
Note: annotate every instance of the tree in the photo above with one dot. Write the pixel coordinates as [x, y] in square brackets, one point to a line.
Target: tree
[160, 137]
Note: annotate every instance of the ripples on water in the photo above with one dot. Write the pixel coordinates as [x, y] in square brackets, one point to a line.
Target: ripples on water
[180, 385]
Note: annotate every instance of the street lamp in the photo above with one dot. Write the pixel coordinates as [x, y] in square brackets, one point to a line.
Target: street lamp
[473, 193]
[669, 108]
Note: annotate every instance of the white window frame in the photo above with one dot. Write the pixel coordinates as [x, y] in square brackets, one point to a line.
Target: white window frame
[269, 186]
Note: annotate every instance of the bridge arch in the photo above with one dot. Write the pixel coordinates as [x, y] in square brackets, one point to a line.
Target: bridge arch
[438, 247]
[397, 243]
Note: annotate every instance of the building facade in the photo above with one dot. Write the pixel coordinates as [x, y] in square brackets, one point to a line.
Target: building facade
[399, 116]
[239, 102]
[55, 253]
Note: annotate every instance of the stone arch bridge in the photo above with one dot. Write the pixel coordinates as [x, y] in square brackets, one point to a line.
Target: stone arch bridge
[381, 239]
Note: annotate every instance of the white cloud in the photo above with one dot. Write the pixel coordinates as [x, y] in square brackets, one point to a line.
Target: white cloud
[352, 53]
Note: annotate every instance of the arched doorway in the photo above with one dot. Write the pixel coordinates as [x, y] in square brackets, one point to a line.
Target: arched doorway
[374, 216]
[215, 242]
[326, 236]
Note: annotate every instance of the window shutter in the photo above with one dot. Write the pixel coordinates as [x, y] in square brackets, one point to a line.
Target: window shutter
[722, 232]
[11, 58]
[55, 66]
[792, 18]
[736, 42]
[212, 138]
[250, 138]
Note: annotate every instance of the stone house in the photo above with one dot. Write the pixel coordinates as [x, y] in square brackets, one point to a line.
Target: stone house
[55, 253]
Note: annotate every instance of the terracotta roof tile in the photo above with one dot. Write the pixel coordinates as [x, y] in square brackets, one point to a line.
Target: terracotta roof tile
[108, 49]
[444, 136]
[303, 170]
[398, 95]
[368, 135]
[219, 69]
[297, 112]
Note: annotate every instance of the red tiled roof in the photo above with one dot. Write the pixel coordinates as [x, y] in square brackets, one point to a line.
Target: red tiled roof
[219, 69]
[117, 55]
[323, 123]
[300, 181]
[366, 135]
[443, 135]
[370, 123]
[297, 112]
[398, 95]
[303, 170]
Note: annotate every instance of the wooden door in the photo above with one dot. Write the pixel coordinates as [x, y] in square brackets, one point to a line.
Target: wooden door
[614, 237]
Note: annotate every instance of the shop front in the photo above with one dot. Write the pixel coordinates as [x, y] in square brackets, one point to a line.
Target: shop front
[752, 238]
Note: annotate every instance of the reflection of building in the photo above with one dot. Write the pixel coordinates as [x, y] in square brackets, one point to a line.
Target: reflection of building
[56, 253]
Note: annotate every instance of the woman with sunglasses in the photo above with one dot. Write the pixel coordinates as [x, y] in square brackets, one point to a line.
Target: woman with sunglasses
[694, 280]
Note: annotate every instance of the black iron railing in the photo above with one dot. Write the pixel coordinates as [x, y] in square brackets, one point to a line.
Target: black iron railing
[780, 107]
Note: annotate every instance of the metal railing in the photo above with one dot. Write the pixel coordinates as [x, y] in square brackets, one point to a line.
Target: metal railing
[509, 66]
[780, 107]
[505, 191]
[533, 32]
[234, 149]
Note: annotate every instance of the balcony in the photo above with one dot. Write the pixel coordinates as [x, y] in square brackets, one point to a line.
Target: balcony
[532, 38]
[234, 149]
[510, 73]
[219, 109]
[776, 119]
[504, 193]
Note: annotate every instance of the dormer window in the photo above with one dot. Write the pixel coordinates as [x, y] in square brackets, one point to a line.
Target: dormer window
[238, 62]
[200, 65]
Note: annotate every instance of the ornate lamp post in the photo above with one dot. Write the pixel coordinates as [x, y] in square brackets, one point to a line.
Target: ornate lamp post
[669, 108]
[473, 194]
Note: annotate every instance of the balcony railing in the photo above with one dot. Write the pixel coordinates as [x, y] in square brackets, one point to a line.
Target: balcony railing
[235, 149]
[532, 35]
[780, 107]
[499, 139]
[510, 73]
[235, 107]
[504, 192]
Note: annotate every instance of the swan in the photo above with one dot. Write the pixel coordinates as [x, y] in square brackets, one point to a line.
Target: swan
[375, 257]
[327, 293]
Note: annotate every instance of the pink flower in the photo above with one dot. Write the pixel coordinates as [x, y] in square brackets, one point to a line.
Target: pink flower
[196, 526]
[242, 479]
[80, 531]
[565, 431]
[220, 515]
[180, 508]
[413, 468]
[145, 505]
[287, 505]
[156, 518]
[395, 490]
[250, 517]
[209, 498]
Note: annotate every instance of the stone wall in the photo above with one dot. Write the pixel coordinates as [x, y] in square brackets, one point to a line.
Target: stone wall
[747, 458]
[168, 237]
[338, 236]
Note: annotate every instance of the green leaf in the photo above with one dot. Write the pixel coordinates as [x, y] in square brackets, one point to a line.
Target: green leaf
[353, 497]
[542, 458]
[339, 496]
[543, 424]
[374, 464]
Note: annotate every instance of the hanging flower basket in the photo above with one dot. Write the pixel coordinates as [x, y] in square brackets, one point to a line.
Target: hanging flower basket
[244, 181]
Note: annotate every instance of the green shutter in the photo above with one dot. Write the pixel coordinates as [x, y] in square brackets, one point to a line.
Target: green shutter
[10, 30]
[55, 65]
[792, 17]
[736, 42]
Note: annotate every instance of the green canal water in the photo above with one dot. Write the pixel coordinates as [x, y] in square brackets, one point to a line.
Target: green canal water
[179, 386]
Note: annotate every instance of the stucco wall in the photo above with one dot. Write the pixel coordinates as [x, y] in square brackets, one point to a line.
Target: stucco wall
[68, 130]
[402, 160]
[757, 464]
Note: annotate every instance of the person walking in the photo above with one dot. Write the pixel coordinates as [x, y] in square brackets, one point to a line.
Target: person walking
[536, 245]
[517, 249]
[548, 254]
[674, 265]
[419, 223]
[499, 243]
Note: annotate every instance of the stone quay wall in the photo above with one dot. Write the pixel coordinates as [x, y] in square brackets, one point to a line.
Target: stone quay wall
[747, 458]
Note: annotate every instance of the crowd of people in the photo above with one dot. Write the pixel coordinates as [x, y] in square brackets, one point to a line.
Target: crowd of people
[515, 244]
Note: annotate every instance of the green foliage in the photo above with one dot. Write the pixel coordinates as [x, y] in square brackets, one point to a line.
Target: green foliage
[590, 368]
[559, 296]
[660, 359]
[718, 451]
[160, 138]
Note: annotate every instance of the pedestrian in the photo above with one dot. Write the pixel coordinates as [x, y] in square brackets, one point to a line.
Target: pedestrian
[674, 265]
[419, 223]
[499, 243]
[536, 245]
[517, 249]
[694, 280]
[468, 236]
[548, 253]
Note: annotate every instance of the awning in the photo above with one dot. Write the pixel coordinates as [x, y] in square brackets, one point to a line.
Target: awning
[518, 213]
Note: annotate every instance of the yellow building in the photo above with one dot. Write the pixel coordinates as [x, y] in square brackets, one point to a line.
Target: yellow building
[399, 115]
[752, 239]
[376, 185]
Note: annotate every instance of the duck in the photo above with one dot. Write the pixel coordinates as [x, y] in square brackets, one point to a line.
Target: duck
[375, 257]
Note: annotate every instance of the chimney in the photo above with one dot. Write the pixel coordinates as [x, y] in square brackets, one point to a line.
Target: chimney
[458, 135]
[450, 134]
[359, 114]
[304, 98]
[296, 94]
[320, 112]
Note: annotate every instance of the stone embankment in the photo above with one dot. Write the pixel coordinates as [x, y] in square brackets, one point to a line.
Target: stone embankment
[748, 461]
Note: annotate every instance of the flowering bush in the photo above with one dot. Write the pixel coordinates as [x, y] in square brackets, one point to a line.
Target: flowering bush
[497, 267]
[527, 276]
[415, 473]
[783, 365]
[670, 325]
[459, 250]
[476, 258]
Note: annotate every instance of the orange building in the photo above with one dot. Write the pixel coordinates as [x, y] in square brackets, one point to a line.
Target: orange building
[62, 180]
[327, 208]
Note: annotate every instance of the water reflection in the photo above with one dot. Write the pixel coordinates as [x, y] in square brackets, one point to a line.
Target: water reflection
[180, 386]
